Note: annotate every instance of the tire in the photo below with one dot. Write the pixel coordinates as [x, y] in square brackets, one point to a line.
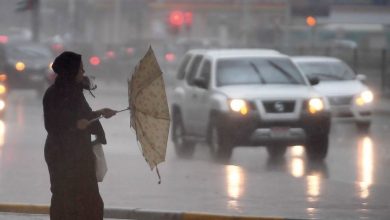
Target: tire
[363, 126]
[183, 148]
[276, 151]
[317, 147]
[221, 147]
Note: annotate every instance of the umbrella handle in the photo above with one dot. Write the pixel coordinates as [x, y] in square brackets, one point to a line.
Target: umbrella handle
[97, 118]
[128, 108]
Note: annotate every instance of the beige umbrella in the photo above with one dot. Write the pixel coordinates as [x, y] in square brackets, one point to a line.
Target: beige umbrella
[149, 112]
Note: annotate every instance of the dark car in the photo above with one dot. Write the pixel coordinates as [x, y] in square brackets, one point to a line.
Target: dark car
[26, 65]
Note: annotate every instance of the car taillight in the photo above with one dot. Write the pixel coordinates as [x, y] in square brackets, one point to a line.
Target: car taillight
[3, 77]
[130, 51]
[3, 39]
[57, 47]
[170, 57]
[110, 54]
[94, 60]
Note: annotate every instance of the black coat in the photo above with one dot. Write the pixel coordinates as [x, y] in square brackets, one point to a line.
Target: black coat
[68, 153]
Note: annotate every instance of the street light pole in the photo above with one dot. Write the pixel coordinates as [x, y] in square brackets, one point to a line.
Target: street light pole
[35, 20]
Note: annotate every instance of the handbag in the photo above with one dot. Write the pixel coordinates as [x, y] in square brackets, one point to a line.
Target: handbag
[100, 161]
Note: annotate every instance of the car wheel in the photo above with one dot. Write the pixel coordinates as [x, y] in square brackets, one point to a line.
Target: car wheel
[276, 151]
[317, 147]
[183, 148]
[363, 126]
[221, 148]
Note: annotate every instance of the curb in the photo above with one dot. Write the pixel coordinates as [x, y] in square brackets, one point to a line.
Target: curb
[24, 208]
[139, 214]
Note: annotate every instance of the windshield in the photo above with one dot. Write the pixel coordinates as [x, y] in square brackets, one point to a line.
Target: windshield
[257, 71]
[327, 71]
[28, 52]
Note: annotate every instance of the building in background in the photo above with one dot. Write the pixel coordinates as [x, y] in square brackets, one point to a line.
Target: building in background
[208, 23]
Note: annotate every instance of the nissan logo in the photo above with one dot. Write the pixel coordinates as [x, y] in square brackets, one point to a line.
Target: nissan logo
[279, 107]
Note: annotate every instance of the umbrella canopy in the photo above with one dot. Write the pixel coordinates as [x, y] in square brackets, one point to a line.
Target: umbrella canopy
[149, 109]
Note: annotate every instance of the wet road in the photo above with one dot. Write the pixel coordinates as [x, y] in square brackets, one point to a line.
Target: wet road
[352, 183]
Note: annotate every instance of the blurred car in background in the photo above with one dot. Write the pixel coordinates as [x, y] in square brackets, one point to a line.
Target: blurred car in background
[118, 61]
[91, 60]
[3, 95]
[242, 97]
[348, 96]
[25, 65]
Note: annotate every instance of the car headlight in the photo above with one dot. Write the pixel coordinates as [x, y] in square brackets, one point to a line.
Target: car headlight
[315, 105]
[3, 89]
[239, 105]
[2, 104]
[20, 66]
[50, 66]
[365, 97]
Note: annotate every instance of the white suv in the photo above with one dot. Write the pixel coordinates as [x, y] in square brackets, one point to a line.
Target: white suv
[244, 97]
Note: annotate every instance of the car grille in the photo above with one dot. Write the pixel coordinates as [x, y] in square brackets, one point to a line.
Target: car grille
[342, 100]
[279, 106]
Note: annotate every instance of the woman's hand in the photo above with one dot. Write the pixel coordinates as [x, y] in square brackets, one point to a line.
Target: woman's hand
[82, 124]
[107, 112]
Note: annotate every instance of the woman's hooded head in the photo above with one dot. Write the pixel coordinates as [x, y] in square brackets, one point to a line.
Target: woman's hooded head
[67, 64]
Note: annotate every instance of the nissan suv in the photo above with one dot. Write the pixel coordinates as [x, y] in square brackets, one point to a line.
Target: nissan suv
[247, 97]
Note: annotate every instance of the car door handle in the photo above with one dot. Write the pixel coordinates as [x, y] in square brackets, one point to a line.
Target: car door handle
[194, 96]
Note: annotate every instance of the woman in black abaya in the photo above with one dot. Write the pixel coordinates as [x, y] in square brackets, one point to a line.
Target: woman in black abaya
[68, 147]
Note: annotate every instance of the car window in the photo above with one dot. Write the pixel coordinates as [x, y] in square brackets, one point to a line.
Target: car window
[257, 71]
[205, 72]
[28, 52]
[193, 69]
[327, 71]
[181, 72]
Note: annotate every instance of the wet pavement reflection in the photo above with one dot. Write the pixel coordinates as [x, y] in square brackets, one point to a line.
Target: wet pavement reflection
[2, 137]
[234, 182]
[365, 164]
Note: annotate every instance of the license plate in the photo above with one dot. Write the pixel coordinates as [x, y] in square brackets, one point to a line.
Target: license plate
[280, 131]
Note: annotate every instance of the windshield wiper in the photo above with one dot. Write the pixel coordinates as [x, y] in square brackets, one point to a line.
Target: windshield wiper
[258, 72]
[283, 71]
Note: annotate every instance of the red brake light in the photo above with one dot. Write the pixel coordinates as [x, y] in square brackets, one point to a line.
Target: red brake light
[94, 60]
[3, 77]
[110, 54]
[3, 39]
[176, 18]
[57, 47]
[170, 57]
[130, 51]
[188, 18]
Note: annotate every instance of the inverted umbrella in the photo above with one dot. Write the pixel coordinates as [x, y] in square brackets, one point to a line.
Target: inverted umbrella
[149, 112]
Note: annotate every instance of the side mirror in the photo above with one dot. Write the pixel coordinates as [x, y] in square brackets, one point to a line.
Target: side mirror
[361, 77]
[313, 80]
[200, 82]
